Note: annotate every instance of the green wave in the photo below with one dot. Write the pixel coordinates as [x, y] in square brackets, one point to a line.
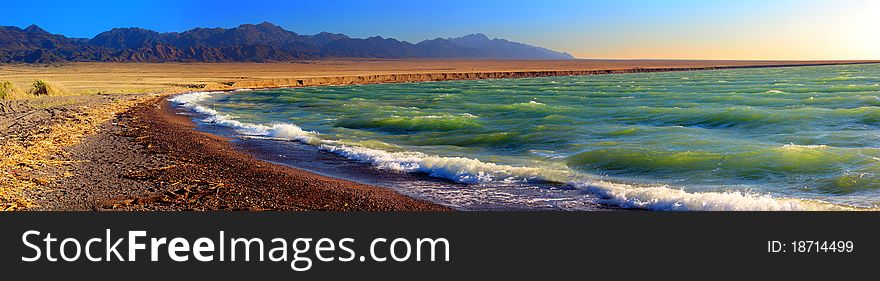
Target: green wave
[787, 159]
[411, 123]
[484, 139]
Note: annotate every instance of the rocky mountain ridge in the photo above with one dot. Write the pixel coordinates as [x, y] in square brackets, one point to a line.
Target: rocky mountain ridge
[246, 43]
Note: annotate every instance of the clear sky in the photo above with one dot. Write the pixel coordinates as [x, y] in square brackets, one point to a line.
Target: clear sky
[682, 29]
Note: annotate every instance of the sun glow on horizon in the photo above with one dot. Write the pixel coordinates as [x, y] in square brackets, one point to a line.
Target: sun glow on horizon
[813, 30]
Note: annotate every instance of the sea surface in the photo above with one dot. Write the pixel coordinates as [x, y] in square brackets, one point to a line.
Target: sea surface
[794, 138]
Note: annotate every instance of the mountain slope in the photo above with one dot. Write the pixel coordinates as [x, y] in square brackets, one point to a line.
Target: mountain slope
[130, 38]
[501, 48]
[245, 43]
[34, 45]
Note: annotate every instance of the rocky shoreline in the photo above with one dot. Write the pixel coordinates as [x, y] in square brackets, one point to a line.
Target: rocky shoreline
[150, 158]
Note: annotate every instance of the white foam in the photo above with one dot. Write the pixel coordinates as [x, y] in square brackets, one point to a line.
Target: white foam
[459, 169]
[467, 170]
[190, 98]
[804, 146]
[664, 198]
[292, 132]
[278, 130]
[671, 199]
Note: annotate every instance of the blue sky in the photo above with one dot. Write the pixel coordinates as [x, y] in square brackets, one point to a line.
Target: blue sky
[749, 29]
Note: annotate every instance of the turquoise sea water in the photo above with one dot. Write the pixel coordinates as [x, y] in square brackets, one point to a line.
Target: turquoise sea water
[746, 139]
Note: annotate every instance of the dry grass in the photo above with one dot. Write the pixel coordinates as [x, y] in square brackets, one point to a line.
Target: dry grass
[46, 88]
[19, 159]
[9, 91]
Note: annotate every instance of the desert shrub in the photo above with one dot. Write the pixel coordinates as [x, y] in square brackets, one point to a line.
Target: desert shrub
[9, 91]
[46, 88]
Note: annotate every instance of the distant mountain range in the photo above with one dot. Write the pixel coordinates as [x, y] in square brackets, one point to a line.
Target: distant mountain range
[246, 43]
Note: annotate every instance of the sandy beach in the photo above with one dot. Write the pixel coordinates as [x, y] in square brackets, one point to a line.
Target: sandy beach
[114, 143]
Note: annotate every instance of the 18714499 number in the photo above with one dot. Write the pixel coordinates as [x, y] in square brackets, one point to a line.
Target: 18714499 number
[810, 246]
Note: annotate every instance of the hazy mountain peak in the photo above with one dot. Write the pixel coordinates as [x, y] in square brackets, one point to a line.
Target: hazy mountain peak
[322, 38]
[501, 48]
[262, 26]
[267, 24]
[475, 36]
[34, 29]
[129, 30]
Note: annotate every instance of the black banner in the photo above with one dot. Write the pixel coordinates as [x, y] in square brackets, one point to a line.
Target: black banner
[486, 245]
